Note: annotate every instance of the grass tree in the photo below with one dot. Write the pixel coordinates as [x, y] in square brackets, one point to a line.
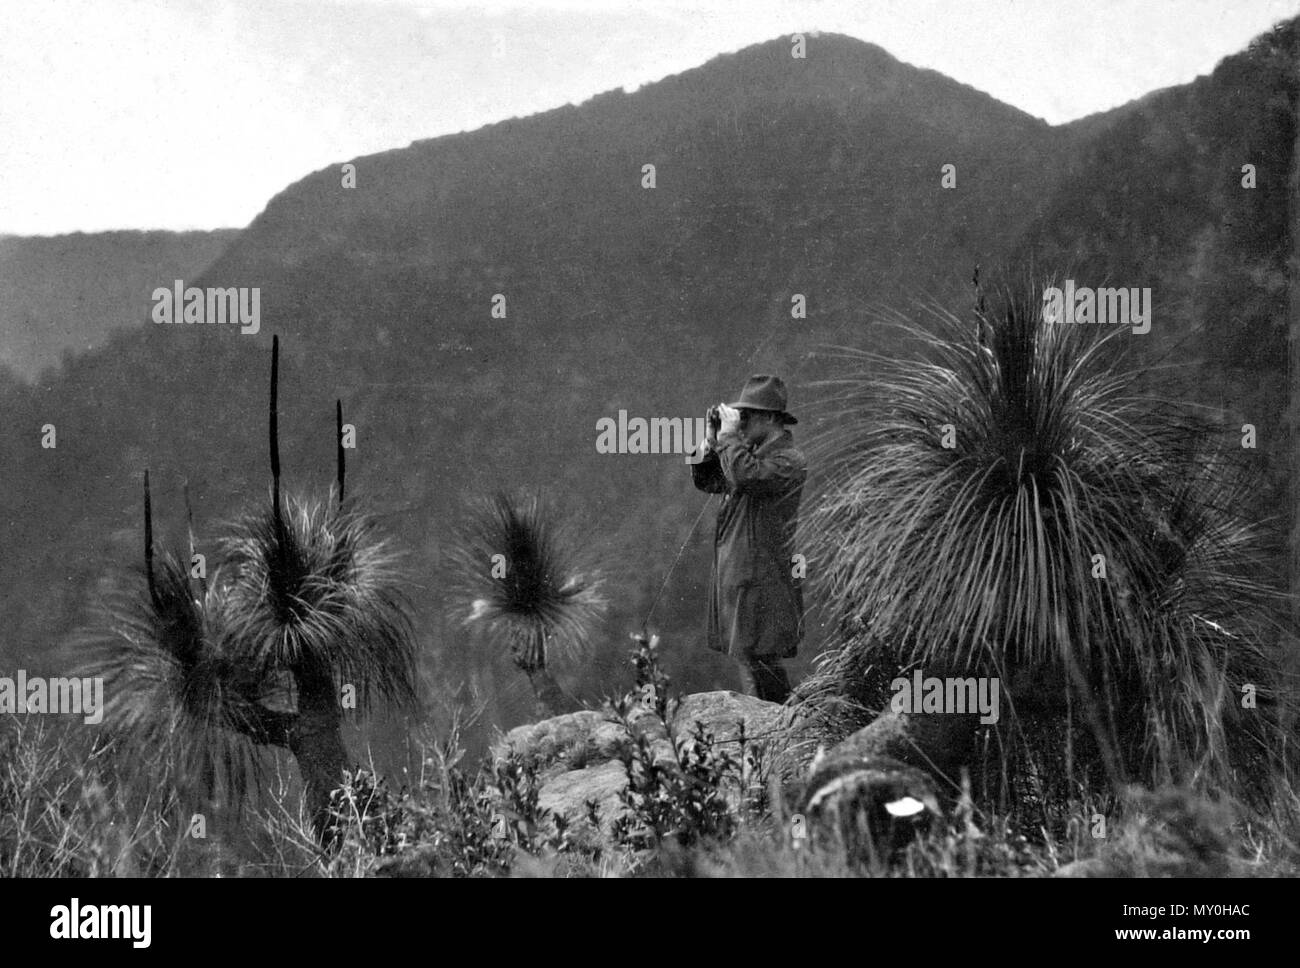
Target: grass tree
[518, 573]
[1013, 503]
[303, 612]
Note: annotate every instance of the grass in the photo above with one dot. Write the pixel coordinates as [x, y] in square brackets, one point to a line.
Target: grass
[61, 816]
[719, 813]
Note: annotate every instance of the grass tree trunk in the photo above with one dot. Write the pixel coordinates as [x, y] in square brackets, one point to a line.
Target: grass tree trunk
[530, 657]
[316, 742]
[553, 700]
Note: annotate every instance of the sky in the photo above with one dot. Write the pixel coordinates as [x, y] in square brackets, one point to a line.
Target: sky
[192, 114]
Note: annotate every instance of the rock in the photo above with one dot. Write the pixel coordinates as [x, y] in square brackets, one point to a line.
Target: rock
[886, 783]
[579, 754]
[571, 741]
[578, 758]
[567, 794]
[939, 743]
[590, 736]
[872, 804]
[723, 711]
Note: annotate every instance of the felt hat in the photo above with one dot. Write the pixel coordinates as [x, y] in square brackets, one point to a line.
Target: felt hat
[764, 392]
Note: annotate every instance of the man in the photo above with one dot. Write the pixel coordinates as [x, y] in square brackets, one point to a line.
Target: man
[755, 601]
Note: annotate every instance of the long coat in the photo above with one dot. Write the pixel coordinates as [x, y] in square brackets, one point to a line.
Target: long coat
[755, 600]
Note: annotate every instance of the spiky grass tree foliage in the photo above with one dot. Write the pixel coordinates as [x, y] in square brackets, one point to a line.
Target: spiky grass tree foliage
[186, 713]
[517, 571]
[976, 491]
[315, 595]
[306, 611]
[320, 589]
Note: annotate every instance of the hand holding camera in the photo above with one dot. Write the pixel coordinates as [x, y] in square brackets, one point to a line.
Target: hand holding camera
[721, 419]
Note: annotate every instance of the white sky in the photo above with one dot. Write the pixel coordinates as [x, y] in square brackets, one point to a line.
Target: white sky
[193, 113]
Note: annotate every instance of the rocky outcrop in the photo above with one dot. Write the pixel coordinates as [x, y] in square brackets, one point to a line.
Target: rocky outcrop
[888, 780]
[578, 756]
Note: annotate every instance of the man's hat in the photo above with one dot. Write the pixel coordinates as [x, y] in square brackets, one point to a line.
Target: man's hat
[764, 392]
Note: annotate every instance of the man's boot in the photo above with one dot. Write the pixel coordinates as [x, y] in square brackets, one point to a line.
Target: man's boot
[765, 679]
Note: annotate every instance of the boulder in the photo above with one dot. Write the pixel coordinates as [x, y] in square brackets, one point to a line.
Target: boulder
[872, 804]
[578, 755]
[884, 784]
[722, 713]
[568, 742]
[939, 743]
[567, 794]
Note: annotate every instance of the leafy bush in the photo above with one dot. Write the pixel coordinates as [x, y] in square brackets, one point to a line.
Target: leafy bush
[678, 800]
